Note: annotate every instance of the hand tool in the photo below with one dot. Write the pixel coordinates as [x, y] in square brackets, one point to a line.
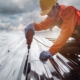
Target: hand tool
[29, 40]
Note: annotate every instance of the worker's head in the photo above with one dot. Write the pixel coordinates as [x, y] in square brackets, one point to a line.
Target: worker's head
[49, 7]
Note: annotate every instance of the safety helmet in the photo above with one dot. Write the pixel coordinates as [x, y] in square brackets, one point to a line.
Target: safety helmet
[46, 6]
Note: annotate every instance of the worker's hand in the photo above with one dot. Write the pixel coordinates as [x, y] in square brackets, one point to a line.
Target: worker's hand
[45, 55]
[29, 27]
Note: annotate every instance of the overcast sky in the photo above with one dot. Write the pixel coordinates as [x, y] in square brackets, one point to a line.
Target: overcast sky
[16, 14]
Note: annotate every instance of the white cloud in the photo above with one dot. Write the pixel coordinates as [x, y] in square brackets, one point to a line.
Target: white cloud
[17, 13]
[20, 27]
[75, 3]
[21, 19]
[9, 27]
[5, 26]
[18, 6]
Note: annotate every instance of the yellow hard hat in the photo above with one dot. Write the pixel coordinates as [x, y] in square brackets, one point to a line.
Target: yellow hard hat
[46, 6]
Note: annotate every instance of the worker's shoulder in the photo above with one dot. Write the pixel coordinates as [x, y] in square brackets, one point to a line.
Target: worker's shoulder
[67, 6]
[70, 8]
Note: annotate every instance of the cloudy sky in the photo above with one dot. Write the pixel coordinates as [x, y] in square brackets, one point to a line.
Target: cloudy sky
[16, 14]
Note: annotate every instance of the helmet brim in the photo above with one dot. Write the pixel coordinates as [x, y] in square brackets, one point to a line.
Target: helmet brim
[45, 12]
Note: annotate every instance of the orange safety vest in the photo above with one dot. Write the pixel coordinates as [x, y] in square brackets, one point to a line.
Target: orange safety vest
[63, 7]
[60, 20]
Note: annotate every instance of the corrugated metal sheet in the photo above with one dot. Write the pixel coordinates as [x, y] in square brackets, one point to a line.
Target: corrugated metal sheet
[13, 53]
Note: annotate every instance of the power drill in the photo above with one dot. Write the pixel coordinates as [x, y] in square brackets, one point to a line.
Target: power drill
[29, 40]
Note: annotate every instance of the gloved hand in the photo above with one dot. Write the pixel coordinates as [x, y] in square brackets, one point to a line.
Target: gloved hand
[29, 27]
[45, 55]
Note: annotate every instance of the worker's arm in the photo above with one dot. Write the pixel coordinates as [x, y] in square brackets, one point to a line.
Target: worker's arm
[68, 25]
[47, 23]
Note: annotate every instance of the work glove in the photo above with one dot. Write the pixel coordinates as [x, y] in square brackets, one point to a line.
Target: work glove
[45, 55]
[29, 27]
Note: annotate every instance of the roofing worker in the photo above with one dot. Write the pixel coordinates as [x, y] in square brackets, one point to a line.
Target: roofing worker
[67, 18]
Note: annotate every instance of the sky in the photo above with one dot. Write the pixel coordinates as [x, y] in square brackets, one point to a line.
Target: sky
[17, 14]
